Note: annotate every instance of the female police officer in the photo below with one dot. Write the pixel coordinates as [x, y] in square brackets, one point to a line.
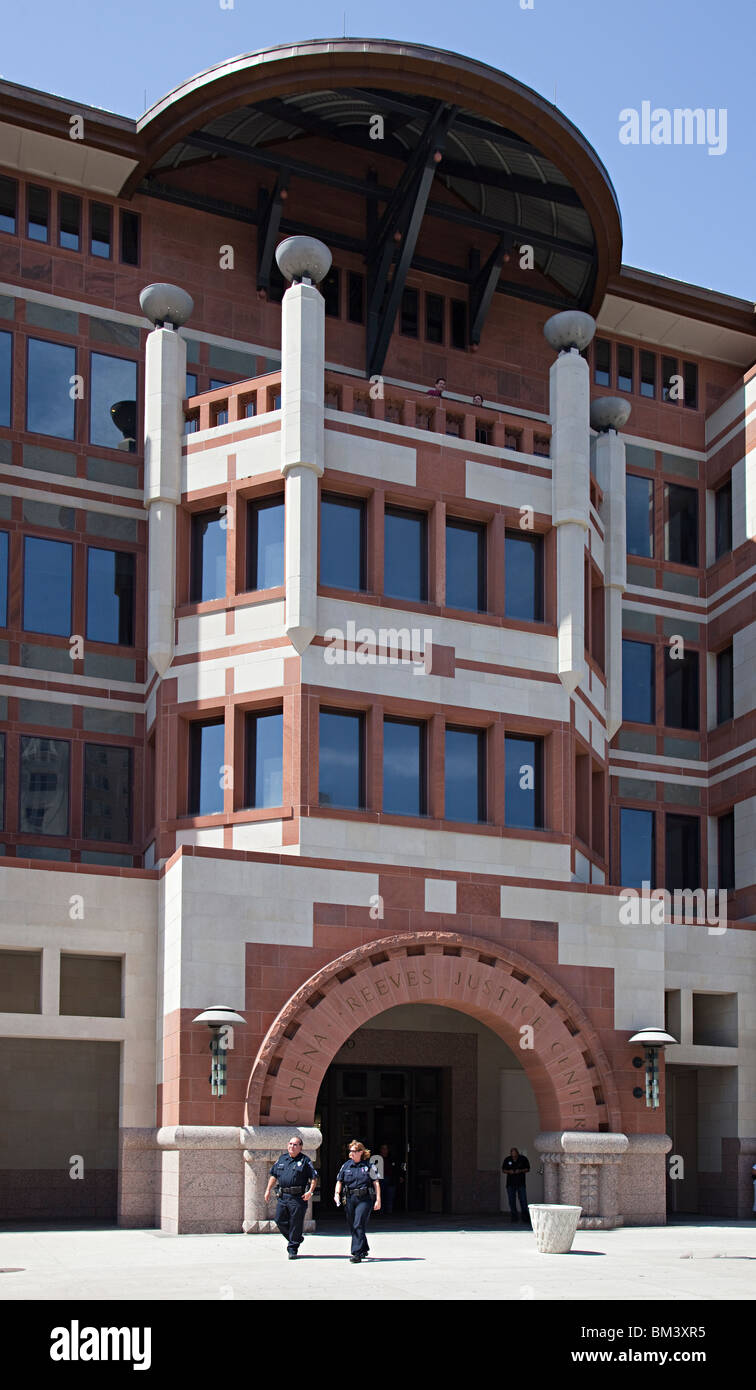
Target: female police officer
[354, 1176]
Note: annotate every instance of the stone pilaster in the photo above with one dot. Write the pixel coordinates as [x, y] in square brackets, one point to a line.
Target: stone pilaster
[570, 462]
[581, 1169]
[165, 374]
[610, 475]
[302, 452]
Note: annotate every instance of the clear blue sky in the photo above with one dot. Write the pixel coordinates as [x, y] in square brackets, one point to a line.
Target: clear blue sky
[686, 213]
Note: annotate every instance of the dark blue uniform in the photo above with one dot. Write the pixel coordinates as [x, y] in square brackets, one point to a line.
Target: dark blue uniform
[293, 1176]
[360, 1197]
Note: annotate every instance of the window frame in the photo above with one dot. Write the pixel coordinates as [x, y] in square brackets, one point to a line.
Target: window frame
[195, 555]
[422, 726]
[251, 718]
[255, 505]
[359, 716]
[409, 513]
[129, 751]
[194, 769]
[482, 773]
[358, 504]
[480, 529]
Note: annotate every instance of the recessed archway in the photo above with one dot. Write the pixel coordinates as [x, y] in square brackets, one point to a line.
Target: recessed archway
[561, 1055]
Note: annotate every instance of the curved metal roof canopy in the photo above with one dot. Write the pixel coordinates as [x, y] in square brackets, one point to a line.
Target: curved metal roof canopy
[461, 144]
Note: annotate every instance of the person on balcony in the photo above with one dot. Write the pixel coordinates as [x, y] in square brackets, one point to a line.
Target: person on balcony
[439, 388]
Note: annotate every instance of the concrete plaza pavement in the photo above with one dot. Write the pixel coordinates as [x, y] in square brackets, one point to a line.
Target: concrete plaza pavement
[449, 1260]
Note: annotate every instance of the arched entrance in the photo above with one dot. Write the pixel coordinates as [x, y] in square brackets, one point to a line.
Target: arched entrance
[531, 1012]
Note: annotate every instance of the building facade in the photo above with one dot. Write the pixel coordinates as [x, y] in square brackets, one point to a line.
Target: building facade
[363, 711]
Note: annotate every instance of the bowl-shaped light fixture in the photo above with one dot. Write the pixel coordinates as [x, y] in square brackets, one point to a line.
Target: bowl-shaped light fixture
[303, 258]
[166, 305]
[569, 329]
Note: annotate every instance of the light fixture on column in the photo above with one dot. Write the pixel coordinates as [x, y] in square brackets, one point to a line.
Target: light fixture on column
[569, 331]
[609, 413]
[167, 306]
[652, 1039]
[303, 259]
[217, 1018]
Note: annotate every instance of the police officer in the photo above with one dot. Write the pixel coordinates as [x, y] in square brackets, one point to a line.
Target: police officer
[294, 1178]
[362, 1195]
[515, 1167]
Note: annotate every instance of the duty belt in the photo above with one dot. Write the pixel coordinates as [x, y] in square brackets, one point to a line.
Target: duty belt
[292, 1191]
[359, 1191]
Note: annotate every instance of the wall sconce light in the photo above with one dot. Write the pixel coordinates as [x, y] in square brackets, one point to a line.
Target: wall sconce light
[218, 1017]
[652, 1039]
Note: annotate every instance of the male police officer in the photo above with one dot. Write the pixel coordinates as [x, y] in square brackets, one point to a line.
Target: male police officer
[294, 1179]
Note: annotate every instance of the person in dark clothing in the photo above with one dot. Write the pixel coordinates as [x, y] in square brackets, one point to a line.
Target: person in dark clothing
[439, 388]
[363, 1195]
[294, 1178]
[515, 1167]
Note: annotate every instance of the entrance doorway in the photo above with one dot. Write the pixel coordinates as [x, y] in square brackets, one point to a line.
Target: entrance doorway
[404, 1107]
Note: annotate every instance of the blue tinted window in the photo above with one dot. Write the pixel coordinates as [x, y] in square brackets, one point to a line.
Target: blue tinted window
[265, 759]
[639, 494]
[8, 203]
[6, 356]
[342, 543]
[3, 578]
[48, 569]
[523, 790]
[43, 786]
[208, 557]
[191, 384]
[340, 760]
[107, 793]
[100, 233]
[49, 407]
[266, 544]
[110, 596]
[405, 562]
[464, 775]
[465, 565]
[69, 221]
[403, 767]
[636, 848]
[523, 577]
[113, 382]
[638, 689]
[38, 213]
[206, 745]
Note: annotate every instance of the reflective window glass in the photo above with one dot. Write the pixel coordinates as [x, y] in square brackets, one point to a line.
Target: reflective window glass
[43, 789]
[523, 789]
[69, 222]
[638, 697]
[265, 759]
[208, 577]
[38, 213]
[107, 793]
[265, 536]
[723, 519]
[682, 852]
[523, 577]
[681, 690]
[206, 762]
[8, 204]
[341, 779]
[48, 571]
[49, 405]
[725, 687]
[342, 542]
[681, 529]
[639, 495]
[465, 775]
[6, 359]
[110, 596]
[403, 767]
[129, 237]
[465, 565]
[636, 847]
[3, 578]
[113, 383]
[405, 563]
[100, 230]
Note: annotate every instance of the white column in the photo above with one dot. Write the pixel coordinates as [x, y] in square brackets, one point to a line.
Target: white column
[570, 461]
[302, 452]
[50, 988]
[163, 433]
[610, 475]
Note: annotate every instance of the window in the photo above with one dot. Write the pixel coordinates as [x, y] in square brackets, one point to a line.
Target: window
[208, 563]
[602, 363]
[404, 775]
[637, 847]
[100, 230]
[523, 781]
[408, 316]
[265, 544]
[681, 530]
[723, 519]
[38, 213]
[107, 793]
[624, 367]
[670, 379]
[3, 578]
[638, 699]
[466, 565]
[682, 852]
[341, 759]
[206, 761]
[190, 388]
[6, 365]
[648, 373]
[639, 498]
[434, 318]
[690, 385]
[264, 752]
[43, 790]
[69, 222]
[465, 775]
[2, 781]
[595, 634]
[329, 288]
[726, 847]
[459, 324]
[356, 297]
[342, 542]
[129, 237]
[114, 382]
[681, 690]
[49, 407]
[523, 577]
[405, 561]
[8, 204]
[48, 572]
[110, 596]
[725, 686]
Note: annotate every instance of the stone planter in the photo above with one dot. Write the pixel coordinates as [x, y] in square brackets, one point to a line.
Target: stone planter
[554, 1227]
